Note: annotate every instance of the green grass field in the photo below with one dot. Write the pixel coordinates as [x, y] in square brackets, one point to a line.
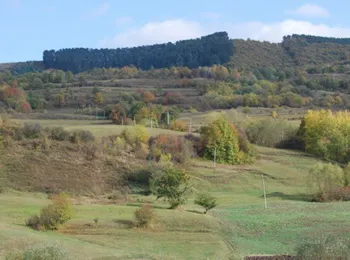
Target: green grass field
[239, 226]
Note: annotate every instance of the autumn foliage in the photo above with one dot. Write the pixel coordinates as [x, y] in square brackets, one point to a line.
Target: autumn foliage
[178, 147]
[148, 97]
[326, 134]
[171, 98]
[14, 97]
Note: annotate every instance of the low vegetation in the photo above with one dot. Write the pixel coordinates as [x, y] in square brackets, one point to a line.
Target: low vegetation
[40, 253]
[329, 182]
[206, 200]
[53, 215]
[145, 216]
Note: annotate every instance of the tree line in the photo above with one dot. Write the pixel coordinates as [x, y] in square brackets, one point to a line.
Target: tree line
[216, 48]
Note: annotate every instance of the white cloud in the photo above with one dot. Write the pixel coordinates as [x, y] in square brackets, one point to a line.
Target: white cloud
[123, 20]
[174, 30]
[274, 32]
[156, 32]
[311, 10]
[96, 12]
[210, 15]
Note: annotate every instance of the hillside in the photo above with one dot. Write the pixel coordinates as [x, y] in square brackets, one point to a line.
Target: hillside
[293, 51]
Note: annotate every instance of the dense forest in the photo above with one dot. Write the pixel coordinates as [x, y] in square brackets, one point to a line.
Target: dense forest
[206, 51]
[317, 39]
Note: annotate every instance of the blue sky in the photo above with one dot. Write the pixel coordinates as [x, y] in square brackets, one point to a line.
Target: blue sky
[28, 27]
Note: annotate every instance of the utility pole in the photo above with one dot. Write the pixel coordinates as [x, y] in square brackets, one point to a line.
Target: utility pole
[190, 128]
[263, 183]
[215, 159]
[134, 122]
[151, 122]
[168, 118]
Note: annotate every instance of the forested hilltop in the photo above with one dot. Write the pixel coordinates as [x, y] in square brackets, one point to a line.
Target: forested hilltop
[206, 51]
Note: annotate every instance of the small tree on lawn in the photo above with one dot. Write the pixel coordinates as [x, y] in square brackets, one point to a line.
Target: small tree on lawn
[170, 183]
[206, 200]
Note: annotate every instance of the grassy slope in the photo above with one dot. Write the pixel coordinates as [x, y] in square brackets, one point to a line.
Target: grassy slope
[98, 128]
[238, 226]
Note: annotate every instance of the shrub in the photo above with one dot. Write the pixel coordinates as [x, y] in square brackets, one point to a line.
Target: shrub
[82, 136]
[324, 179]
[324, 249]
[206, 200]
[171, 98]
[57, 213]
[33, 222]
[145, 216]
[342, 194]
[246, 110]
[136, 135]
[179, 125]
[58, 133]
[181, 150]
[31, 131]
[148, 97]
[270, 132]
[40, 253]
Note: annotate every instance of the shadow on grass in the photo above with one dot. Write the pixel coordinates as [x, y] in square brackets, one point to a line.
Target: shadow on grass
[124, 223]
[196, 211]
[139, 204]
[294, 197]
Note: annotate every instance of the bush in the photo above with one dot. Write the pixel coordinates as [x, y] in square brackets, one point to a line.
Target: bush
[53, 215]
[246, 110]
[172, 98]
[270, 132]
[179, 147]
[136, 135]
[40, 253]
[31, 131]
[82, 136]
[206, 200]
[58, 133]
[145, 216]
[324, 249]
[342, 194]
[33, 222]
[179, 125]
[324, 179]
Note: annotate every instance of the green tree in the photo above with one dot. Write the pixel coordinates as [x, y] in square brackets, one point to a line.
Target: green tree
[99, 98]
[61, 99]
[170, 183]
[36, 84]
[69, 77]
[220, 137]
[206, 200]
[325, 178]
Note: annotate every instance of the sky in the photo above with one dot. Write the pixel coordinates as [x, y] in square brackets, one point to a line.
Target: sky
[28, 27]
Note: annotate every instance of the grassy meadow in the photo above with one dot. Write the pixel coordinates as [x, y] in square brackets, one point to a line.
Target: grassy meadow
[238, 227]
